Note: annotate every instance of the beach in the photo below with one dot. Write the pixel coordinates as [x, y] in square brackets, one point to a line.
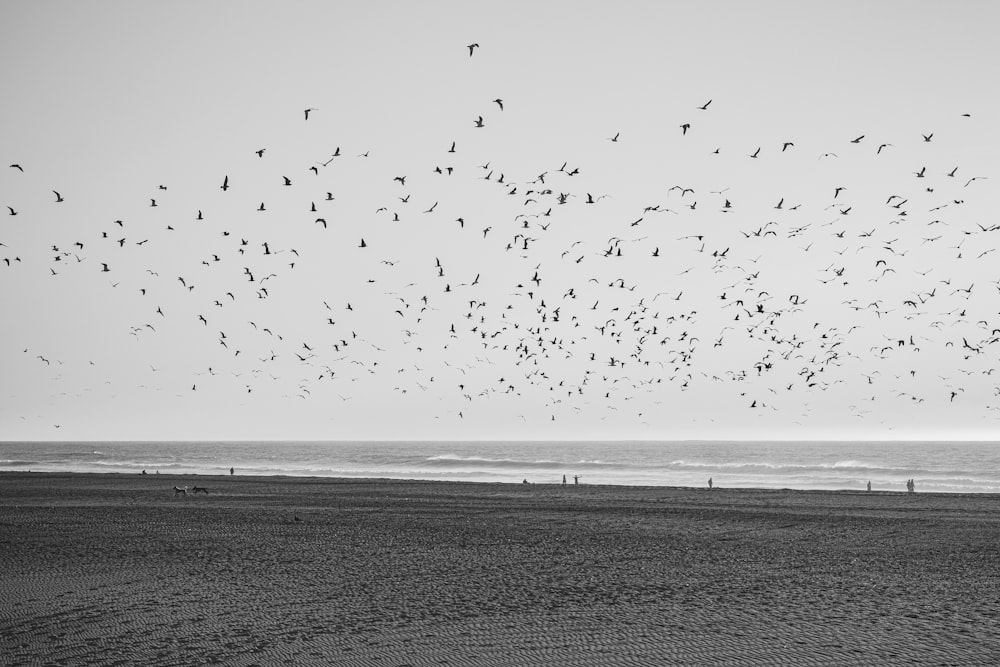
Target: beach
[105, 569]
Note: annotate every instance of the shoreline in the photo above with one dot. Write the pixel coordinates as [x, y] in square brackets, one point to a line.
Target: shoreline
[103, 568]
[418, 480]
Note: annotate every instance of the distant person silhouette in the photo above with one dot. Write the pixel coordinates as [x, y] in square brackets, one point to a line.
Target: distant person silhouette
[869, 485]
[232, 471]
[564, 480]
[709, 482]
[576, 479]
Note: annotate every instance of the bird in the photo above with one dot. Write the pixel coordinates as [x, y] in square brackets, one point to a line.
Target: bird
[472, 47]
[59, 197]
[499, 103]
[704, 107]
[225, 184]
[307, 112]
[479, 122]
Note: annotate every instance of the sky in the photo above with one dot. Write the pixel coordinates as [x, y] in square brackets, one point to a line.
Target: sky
[718, 220]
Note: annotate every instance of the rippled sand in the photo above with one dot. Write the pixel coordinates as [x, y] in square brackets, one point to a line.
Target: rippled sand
[113, 569]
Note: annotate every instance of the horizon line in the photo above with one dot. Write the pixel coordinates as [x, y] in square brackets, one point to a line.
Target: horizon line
[517, 440]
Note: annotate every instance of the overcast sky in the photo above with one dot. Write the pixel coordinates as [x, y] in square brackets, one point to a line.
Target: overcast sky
[791, 232]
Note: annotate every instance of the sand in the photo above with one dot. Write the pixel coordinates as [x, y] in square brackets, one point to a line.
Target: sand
[116, 569]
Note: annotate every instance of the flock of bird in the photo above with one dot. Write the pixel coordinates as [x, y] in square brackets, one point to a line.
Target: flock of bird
[482, 286]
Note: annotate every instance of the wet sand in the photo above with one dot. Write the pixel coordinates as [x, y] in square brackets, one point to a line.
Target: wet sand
[116, 569]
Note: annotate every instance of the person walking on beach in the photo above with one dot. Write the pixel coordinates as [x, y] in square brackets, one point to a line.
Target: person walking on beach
[710, 483]
[869, 485]
[232, 471]
[576, 479]
[564, 480]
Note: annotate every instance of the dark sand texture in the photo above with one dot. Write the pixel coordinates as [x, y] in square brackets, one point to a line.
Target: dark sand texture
[113, 569]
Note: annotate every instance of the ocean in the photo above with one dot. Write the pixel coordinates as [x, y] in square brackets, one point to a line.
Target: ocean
[971, 467]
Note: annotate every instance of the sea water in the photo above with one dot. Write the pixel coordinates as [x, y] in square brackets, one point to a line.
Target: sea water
[965, 467]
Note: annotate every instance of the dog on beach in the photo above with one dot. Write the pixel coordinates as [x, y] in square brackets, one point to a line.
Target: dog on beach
[180, 490]
[200, 489]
